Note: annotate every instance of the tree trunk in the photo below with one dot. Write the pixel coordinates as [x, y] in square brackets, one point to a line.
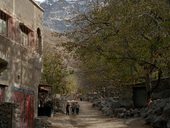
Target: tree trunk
[148, 85]
[158, 81]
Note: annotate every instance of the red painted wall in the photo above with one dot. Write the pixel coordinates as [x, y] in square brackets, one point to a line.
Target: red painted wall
[26, 104]
[2, 92]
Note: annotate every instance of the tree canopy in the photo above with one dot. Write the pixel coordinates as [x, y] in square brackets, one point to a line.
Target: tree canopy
[123, 42]
[57, 70]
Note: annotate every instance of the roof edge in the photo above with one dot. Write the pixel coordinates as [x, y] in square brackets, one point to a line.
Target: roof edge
[38, 6]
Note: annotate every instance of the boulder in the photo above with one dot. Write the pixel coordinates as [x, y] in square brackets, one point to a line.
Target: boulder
[168, 124]
[166, 111]
[159, 122]
[119, 112]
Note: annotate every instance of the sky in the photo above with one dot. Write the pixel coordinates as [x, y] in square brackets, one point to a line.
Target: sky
[40, 0]
[44, 0]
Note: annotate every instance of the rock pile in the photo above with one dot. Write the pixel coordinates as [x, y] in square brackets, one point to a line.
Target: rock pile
[113, 108]
[158, 113]
[42, 122]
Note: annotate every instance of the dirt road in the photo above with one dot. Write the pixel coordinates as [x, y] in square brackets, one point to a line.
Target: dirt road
[91, 118]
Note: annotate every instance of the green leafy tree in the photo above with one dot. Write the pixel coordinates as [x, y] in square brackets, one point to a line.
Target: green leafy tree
[128, 40]
[53, 70]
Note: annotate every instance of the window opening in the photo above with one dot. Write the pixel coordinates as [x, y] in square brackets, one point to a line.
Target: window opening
[3, 23]
[39, 41]
[24, 34]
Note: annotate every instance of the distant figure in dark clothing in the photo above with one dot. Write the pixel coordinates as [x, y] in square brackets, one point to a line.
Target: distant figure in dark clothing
[73, 107]
[77, 108]
[81, 99]
[48, 108]
[67, 109]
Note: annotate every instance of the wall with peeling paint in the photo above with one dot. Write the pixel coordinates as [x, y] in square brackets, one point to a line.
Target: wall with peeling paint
[21, 78]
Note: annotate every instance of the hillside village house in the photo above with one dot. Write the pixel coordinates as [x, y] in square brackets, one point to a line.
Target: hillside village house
[20, 60]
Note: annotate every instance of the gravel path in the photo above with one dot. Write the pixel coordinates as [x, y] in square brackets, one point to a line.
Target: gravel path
[91, 118]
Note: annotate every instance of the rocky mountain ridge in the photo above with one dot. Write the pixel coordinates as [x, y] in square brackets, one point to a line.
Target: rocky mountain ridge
[58, 13]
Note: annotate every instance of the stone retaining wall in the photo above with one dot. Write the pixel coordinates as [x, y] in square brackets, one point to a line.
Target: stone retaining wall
[9, 116]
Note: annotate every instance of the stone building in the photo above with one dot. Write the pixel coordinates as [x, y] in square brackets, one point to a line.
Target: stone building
[20, 58]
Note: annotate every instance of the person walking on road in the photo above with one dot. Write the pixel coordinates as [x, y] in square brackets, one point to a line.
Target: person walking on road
[73, 107]
[67, 109]
[77, 108]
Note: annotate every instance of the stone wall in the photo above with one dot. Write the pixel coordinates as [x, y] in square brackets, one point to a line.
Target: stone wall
[126, 96]
[9, 116]
[163, 91]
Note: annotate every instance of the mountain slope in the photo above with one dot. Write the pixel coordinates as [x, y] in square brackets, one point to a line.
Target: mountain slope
[59, 12]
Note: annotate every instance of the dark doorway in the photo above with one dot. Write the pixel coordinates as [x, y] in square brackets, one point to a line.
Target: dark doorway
[139, 96]
[3, 65]
[45, 104]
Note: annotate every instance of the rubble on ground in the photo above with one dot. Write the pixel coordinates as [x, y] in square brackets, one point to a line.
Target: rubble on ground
[114, 108]
[42, 122]
[158, 113]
